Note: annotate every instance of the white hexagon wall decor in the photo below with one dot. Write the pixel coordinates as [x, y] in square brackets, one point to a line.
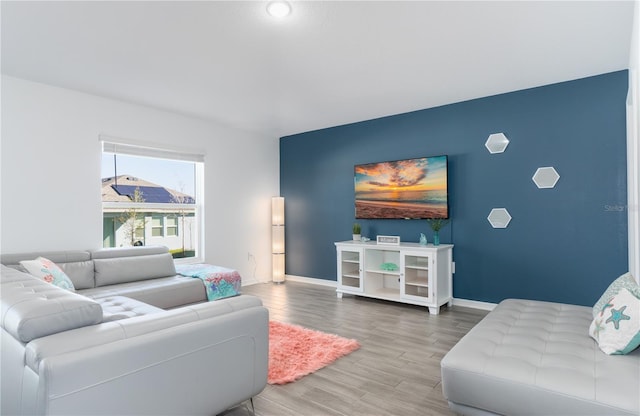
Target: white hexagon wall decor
[497, 143]
[546, 177]
[499, 218]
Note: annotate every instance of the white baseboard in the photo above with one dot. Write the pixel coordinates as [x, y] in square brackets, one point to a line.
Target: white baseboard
[294, 278]
[249, 282]
[475, 304]
[312, 280]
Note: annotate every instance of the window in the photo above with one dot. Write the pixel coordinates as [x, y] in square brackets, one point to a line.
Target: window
[152, 195]
[172, 226]
[157, 226]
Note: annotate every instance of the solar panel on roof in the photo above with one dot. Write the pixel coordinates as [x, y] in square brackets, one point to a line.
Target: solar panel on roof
[151, 194]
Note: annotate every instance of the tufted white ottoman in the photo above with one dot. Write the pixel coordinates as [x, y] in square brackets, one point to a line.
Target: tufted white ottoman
[537, 358]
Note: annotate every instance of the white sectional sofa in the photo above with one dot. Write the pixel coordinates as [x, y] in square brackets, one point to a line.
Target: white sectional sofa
[111, 348]
[147, 274]
[537, 358]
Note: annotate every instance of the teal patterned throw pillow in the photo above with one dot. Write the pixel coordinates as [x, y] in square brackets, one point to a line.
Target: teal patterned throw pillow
[616, 328]
[48, 271]
[626, 281]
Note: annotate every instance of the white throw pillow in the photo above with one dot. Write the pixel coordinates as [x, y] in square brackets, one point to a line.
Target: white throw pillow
[625, 281]
[617, 327]
[48, 271]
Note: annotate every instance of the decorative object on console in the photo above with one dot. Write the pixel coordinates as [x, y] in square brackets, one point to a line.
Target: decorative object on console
[295, 352]
[277, 238]
[436, 225]
[497, 143]
[546, 177]
[423, 239]
[499, 218]
[356, 231]
[388, 239]
[45, 269]
[402, 189]
[391, 267]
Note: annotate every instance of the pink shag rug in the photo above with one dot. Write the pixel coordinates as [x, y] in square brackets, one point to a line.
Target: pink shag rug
[295, 351]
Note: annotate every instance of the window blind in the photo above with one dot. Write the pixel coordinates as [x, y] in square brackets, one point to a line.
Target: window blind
[138, 148]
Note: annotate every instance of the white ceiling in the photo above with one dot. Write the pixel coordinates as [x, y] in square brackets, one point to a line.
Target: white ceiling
[329, 63]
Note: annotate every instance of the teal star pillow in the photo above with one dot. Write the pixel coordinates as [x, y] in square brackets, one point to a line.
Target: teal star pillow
[625, 281]
[616, 327]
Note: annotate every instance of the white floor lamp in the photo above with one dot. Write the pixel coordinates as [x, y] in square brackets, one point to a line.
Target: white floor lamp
[277, 238]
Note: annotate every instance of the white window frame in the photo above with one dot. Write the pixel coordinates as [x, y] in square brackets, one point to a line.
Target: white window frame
[161, 227]
[167, 225]
[133, 147]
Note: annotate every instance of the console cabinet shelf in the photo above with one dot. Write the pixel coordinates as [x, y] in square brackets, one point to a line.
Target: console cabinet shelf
[408, 273]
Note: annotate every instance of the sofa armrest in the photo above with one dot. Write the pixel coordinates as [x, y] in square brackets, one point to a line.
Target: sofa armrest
[202, 367]
[200, 359]
[71, 342]
[31, 308]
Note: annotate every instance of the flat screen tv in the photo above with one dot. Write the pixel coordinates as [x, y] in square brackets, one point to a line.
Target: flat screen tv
[402, 189]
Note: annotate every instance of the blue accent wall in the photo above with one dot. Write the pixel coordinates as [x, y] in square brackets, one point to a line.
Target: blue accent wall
[564, 244]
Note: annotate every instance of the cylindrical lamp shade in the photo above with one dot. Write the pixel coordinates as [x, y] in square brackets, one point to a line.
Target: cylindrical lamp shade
[278, 268]
[277, 238]
[277, 210]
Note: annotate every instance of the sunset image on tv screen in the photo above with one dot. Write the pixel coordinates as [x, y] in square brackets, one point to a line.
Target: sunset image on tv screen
[412, 188]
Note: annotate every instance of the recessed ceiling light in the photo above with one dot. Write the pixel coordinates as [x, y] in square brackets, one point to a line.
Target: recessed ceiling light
[278, 9]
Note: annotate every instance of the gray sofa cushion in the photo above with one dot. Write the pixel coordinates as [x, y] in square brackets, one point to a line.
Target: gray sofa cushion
[115, 308]
[80, 273]
[76, 264]
[68, 256]
[537, 358]
[164, 292]
[111, 271]
[31, 308]
[109, 253]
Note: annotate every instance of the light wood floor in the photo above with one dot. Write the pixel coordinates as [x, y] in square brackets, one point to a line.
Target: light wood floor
[395, 372]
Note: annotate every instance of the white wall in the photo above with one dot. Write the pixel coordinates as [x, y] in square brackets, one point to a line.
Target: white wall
[633, 147]
[50, 173]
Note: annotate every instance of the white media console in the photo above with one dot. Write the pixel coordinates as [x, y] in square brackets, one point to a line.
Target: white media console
[422, 274]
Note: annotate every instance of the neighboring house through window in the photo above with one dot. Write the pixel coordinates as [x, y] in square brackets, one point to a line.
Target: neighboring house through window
[152, 196]
[172, 226]
[157, 225]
